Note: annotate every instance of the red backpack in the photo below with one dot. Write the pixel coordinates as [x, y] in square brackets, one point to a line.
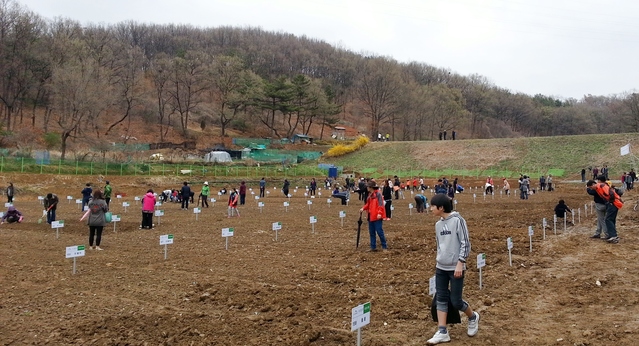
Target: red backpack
[609, 194]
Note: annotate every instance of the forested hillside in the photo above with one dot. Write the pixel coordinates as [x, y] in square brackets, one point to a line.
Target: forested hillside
[70, 82]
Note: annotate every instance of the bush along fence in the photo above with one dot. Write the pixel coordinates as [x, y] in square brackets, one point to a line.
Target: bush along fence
[67, 167]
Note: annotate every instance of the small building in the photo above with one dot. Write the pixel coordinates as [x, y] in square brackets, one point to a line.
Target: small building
[300, 138]
[339, 133]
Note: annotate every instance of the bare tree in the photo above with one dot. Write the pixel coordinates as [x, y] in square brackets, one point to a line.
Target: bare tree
[378, 89]
[188, 85]
[20, 31]
[77, 92]
[631, 103]
[232, 88]
[127, 75]
[445, 107]
[160, 73]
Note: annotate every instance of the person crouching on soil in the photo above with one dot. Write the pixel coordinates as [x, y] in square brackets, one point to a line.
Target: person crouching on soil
[376, 213]
[12, 215]
[420, 202]
[561, 210]
[453, 249]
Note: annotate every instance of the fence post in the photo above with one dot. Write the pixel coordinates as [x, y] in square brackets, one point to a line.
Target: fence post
[76, 167]
[22, 166]
[106, 169]
[91, 168]
[120, 168]
[41, 165]
[1, 164]
[162, 168]
[150, 167]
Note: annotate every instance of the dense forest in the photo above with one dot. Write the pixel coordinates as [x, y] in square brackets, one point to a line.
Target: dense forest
[72, 81]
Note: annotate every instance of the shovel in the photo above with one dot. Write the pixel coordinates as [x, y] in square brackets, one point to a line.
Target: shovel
[359, 229]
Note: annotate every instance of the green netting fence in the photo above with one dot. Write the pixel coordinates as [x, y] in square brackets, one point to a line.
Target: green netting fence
[28, 165]
[283, 156]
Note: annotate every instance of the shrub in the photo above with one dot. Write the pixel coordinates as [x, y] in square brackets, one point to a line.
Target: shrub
[52, 140]
[342, 149]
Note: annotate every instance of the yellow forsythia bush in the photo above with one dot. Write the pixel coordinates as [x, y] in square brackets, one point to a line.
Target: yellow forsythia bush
[341, 149]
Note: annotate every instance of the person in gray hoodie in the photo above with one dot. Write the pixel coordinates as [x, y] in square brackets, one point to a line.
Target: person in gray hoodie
[97, 220]
[453, 249]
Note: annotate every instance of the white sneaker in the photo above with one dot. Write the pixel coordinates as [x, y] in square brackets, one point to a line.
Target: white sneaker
[473, 326]
[438, 338]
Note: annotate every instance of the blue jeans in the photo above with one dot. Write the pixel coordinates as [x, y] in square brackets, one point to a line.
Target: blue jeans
[611, 220]
[85, 201]
[375, 227]
[442, 279]
[50, 216]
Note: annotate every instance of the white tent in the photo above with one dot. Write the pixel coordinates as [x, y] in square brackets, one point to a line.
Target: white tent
[217, 156]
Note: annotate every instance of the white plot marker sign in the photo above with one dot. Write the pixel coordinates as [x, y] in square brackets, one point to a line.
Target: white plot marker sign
[74, 252]
[115, 219]
[276, 227]
[510, 245]
[342, 215]
[360, 317]
[226, 233]
[555, 223]
[57, 225]
[197, 211]
[159, 213]
[166, 240]
[286, 204]
[69, 199]
[261, 206]
[481, 262]
[544, 224]
[309, 202]
[125, 205]
[313, 221]
[531, 232]
[410, 208]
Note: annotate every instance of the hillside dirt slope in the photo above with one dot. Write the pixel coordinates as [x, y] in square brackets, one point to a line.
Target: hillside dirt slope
[300, 288]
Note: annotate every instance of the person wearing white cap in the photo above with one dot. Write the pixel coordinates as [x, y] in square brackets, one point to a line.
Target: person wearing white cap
[205, 194]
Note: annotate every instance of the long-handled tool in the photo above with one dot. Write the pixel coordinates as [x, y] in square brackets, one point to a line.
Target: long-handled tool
[44, 213]
[359, 229]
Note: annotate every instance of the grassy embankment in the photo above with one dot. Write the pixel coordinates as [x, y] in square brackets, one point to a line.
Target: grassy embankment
[563, 156]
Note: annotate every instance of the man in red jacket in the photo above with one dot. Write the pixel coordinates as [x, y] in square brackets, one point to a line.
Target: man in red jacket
[376, 213]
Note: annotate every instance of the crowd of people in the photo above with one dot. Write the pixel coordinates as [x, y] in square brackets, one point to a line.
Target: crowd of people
[451, 231]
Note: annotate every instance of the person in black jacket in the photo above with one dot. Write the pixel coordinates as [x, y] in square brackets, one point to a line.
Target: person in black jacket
[186, 194]
[361, 187]
[396, 186]
[561, 210]
[387, 193]
[50, 205]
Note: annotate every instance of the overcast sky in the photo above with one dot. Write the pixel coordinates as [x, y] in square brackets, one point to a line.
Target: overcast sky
[563, 48]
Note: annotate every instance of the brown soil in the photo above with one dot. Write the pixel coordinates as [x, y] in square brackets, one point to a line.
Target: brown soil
[300, 289]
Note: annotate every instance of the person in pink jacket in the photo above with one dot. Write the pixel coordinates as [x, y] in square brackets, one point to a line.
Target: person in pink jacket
[148, 207]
